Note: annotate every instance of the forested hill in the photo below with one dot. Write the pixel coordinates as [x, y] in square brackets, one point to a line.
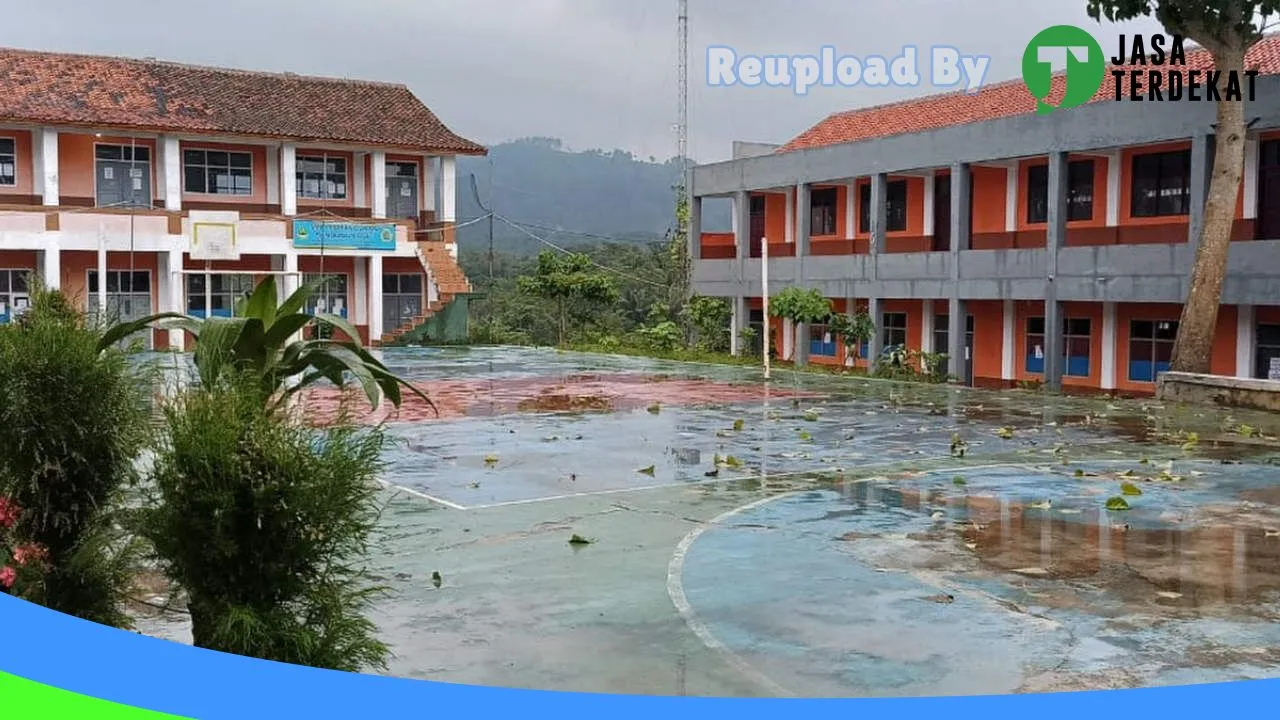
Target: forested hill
[597, 193]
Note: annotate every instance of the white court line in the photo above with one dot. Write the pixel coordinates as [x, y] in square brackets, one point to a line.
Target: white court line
[675, 590]
[423, 496]
[645, 488]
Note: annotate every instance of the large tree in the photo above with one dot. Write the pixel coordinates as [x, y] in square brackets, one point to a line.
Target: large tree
[573, 283]
[1227, 29]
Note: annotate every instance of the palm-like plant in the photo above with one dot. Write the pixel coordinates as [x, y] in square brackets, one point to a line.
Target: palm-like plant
[263, 341]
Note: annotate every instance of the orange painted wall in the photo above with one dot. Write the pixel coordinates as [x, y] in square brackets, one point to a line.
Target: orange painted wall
[990, 198]
[775, 217]
[988, 338]
[18, 260]
[24, 166]
[260, 180]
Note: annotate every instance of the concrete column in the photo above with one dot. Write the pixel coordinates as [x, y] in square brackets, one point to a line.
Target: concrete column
[51, 265]
[176, 299]
[448, 210]
[1246, 341]
[876, 345]
[1250, 190]
[358, 178]
[375, 298]
[737, 323]
[694, 241]
[789, 227]
[927, 318]
[879, 212]
[930, 191]
[742, 228]
[1009, 343]
[360, 291]
[804, 218]
[102, 274]
[1110, 317]
[273, 176]
[1011, 207]
[802, 344]
[1114, 169]
[957, 361]
[1057, 236]
[430, 185]
[288, 179]
[44, 144]
[788, 340]
[291, 281]
[1202, 153]
[378, 188]
[961, 207]
[851, 210]
[171, 171]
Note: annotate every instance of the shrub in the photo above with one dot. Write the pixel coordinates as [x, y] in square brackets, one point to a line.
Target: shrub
[75, 417]
[664, 337]
[264, 521]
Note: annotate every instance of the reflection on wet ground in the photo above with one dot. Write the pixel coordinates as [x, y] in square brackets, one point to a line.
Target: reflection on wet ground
[880, 539]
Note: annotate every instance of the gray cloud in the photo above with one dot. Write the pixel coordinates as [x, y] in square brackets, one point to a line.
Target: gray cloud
[597, 73]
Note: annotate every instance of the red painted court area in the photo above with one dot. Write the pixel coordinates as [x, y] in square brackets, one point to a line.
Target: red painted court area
[574, 393]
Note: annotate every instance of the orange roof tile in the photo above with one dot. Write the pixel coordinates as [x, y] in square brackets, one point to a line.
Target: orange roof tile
[121, 93]
[992, 102]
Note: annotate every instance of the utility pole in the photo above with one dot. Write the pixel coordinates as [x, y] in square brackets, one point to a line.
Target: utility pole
[682, 128]
[475, 190]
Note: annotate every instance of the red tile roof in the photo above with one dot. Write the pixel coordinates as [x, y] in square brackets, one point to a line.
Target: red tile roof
[121, 93]
[992, 102]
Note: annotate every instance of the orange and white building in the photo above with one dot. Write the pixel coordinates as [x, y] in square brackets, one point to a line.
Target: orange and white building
[139, 186]
[1029, 248]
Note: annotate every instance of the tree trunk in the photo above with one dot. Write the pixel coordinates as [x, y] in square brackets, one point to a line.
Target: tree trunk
[1193, 350]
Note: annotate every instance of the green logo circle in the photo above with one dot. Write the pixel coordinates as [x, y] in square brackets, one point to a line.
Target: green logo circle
[303, 233]
[1063, 46]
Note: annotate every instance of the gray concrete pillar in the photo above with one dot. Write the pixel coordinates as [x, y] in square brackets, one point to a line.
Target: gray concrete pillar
[804, 218]
[879, 212]
[695, 228]
[738, 322]
[742, 224]
[961, 207]
[1202, 156]
[957, 362]
[1057, 239]
[876, 345]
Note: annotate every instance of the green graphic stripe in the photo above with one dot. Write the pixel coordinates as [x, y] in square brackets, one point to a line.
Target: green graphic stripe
[22, 699]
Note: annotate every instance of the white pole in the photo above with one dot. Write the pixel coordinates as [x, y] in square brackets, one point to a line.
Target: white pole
[208, 291]
[102, 274]
[764, 286]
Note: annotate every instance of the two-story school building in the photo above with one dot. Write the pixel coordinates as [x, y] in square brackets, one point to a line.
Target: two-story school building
[138, 186]
[1030, 248]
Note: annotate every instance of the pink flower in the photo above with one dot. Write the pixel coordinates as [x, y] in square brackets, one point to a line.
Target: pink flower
[27, 554]
[7, 577]
[8, 513]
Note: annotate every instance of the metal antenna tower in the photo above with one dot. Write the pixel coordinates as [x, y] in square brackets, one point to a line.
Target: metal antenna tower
[682, 128]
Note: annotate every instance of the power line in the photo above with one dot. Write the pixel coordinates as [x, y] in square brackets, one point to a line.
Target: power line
[595, 264]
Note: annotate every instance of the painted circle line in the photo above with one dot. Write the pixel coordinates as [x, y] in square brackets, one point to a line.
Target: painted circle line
[675, 590]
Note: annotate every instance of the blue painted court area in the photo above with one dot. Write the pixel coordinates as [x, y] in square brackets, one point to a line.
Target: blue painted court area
[1001, 579]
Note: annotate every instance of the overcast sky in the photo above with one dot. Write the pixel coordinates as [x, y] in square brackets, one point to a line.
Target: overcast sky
[596, 73]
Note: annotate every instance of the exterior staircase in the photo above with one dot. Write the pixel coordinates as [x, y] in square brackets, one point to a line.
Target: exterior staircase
[437, 259]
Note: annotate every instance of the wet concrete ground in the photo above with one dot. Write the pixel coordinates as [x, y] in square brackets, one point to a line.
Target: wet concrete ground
[857, 538]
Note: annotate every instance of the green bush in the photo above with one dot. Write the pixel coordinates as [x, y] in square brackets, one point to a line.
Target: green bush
[664, 337]
[264, 522]
[75, 418]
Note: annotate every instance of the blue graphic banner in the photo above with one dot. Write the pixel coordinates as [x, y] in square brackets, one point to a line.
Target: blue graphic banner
[74, 656]
[312, 234]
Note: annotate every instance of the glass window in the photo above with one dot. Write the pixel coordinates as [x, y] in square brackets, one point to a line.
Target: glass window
[1150, 348]
[322, 177]
[331, 297]
[14, 293]
[1079, 192]
[225, 290]
[215, 172]
[8, 162]
[895, 212]
[1077, 346]
[823, 211]
[1035, 346]
[895, 330]
[1162, 184]
[822, 342]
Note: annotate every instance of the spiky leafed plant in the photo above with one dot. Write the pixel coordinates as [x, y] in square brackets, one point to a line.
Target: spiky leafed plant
[263, 341]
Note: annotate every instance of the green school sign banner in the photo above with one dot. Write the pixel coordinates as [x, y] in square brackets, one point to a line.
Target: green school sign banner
[310, 234]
